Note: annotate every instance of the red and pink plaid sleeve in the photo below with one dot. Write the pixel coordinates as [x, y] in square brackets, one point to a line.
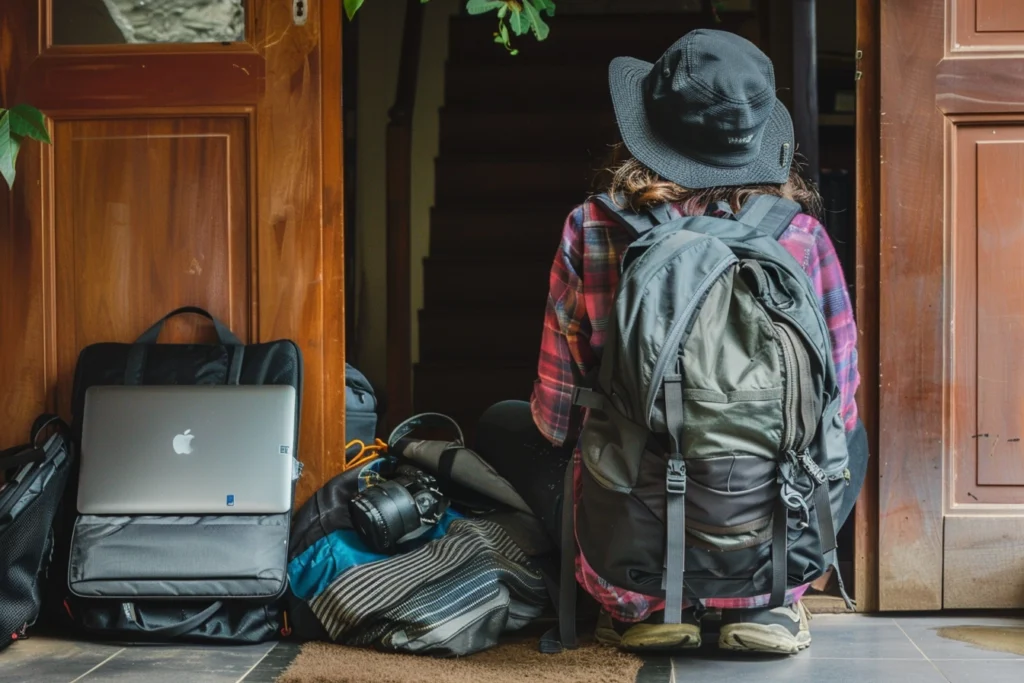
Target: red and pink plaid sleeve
[551, 402]
[809, 243]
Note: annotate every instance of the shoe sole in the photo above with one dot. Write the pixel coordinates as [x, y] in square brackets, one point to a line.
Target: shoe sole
[654, 638]
[773, 639]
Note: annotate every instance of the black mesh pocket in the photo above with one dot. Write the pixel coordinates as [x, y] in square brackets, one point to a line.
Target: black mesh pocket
[26, 542]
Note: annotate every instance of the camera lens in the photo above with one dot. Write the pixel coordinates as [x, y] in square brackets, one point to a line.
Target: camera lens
[387, 513]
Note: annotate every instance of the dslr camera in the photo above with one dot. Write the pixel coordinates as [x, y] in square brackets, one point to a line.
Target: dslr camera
[397, 510]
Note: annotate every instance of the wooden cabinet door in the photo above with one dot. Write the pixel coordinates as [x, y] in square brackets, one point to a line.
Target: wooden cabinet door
[951, 492]
[196, 160]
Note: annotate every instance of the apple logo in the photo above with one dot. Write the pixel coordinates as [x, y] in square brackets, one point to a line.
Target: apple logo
[183, 442]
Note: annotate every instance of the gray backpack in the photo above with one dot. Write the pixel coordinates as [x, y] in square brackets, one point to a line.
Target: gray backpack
[715, 410]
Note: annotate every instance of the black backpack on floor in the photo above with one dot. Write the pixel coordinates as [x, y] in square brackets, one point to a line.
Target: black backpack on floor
[178, 605]
[34, 476]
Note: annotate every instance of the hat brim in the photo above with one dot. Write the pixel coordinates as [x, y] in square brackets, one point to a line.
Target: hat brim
[626, 81]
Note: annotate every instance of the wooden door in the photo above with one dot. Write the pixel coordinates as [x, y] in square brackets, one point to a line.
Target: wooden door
[951, 489]
[196, 159]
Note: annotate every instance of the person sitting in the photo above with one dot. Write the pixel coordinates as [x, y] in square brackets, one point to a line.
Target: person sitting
[708, 80]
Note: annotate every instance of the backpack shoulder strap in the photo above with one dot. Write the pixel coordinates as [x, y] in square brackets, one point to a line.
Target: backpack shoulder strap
[769, 214]
[637, 224]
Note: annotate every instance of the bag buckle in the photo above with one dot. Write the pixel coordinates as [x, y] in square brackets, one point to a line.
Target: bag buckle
[811, 468]
[675, 479]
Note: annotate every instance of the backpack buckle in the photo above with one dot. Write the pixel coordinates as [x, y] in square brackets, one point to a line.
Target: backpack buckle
[675, 479]
[812, 468]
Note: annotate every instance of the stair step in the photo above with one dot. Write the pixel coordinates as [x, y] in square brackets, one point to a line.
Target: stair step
[569, 133]
[464, 391]
[512, 85]
[481, 285]
[500, 335]
[592, 38]
[498, 182]
[518, 234]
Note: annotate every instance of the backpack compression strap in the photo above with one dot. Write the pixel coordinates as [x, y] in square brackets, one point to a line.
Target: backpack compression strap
[636, 223]
[769, 214]
[675, 500]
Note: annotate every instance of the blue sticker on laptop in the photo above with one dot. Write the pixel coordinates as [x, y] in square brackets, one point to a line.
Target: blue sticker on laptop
[231, 500]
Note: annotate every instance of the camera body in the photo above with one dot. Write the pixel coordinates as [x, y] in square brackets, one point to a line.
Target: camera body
[397, 510]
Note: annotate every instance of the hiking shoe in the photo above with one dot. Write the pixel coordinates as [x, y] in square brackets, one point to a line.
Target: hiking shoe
[650, 635]
[782, 630]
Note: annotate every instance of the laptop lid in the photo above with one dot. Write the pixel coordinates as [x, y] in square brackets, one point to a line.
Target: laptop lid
[189, 450]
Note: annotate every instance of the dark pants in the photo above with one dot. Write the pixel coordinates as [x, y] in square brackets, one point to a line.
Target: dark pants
[509, 440]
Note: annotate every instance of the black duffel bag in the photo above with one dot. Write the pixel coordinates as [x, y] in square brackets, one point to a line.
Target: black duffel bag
[34, 476]
[198, 613]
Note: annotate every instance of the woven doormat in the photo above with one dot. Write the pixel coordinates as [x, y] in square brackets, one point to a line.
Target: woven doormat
[513, 663]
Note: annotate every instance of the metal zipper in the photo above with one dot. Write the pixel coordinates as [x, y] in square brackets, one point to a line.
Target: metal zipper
[799, 401]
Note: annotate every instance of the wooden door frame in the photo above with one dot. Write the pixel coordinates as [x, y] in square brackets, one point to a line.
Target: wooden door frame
[867, 192]
[914, 293]
[175, 80]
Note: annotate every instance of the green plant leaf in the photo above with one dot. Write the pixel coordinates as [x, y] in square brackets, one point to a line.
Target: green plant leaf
[29, 122]
[520, 22]
[481, 6]
[504, 34]
[8, 149]
[545, 6]
[503, 11]
[351, 7]
[540, 29]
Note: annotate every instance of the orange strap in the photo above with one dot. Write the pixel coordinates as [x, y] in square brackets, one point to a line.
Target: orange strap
[365, 455]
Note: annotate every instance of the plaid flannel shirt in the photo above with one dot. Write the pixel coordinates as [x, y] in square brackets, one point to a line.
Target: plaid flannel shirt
[583, 280]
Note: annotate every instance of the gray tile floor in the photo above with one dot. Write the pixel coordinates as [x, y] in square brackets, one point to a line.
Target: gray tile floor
[865, 649]
[846, 649]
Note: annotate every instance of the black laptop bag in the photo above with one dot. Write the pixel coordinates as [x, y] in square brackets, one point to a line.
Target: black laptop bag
[34, 478]
[214, 578]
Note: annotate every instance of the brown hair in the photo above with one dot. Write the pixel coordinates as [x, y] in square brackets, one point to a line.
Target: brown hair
[638, 187]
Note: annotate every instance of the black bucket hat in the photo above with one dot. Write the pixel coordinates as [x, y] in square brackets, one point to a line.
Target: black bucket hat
[705, 114]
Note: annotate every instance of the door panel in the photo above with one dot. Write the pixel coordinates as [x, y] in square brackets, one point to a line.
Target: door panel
[986, 24]
[999, 16]
[1000, 306]
[196, 173]
[952, 306]
[148, 214]
[983, 559]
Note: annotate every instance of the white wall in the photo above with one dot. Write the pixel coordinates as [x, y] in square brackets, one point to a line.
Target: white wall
[380, 38]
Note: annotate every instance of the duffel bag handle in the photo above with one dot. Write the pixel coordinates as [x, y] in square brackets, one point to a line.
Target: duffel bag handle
[33, 452]
[435, 420]
[224, 334]
[182, 627]
[45, 420]
[137, 354]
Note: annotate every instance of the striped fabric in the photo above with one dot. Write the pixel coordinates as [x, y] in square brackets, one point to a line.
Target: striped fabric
[583, 280]
[453, 596]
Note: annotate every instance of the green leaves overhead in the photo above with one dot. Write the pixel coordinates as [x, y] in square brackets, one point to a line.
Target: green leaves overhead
[16, 124]
[522, 15]
[8, 150]
[484, 6]
[351, 7]
[29, 122]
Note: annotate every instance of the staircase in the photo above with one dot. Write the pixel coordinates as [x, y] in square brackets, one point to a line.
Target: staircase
[521, 139]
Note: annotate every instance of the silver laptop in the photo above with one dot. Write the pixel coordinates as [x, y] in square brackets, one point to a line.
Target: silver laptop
[189, 450]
